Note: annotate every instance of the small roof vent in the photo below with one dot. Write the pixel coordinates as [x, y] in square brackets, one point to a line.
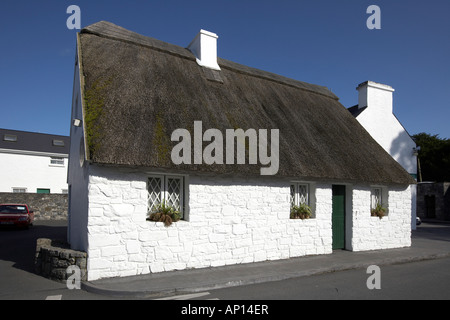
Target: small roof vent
[10, 137]
[58, 143]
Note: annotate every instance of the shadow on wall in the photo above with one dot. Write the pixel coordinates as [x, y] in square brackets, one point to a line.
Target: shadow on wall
[402, 150]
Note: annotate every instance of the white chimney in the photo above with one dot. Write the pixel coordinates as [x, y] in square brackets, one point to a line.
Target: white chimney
[376, 96]
[204, 47]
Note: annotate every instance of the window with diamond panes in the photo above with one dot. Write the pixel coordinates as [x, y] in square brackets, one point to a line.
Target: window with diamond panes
[303, 194]
[155, 193]
[174, 193]
[292, 195]
[165, 188]
[299, 194]
[376, 196]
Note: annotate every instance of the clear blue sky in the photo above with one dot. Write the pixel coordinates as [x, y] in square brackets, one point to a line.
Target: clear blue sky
[324, 42]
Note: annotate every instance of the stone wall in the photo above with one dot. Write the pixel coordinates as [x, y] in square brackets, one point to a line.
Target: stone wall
[433, 200]
[45, 206]
[231, 221]
[53, 258]
[391, 231]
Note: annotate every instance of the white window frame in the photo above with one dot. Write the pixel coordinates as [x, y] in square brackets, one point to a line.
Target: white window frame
[166, 196]
[19, 190]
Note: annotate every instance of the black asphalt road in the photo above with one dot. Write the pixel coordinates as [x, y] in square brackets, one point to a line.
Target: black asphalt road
[423, 280]
[17, 278]
[419, 280]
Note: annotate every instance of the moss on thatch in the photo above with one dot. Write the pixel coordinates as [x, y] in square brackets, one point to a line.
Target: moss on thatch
[161, 141]
[94, 101]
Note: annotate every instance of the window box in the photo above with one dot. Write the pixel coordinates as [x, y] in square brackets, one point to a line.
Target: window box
[379, 211]
[166, 198]
[302, 211]
[165, 213]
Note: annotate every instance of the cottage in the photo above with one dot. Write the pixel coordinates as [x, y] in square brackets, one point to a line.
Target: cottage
[132, 92]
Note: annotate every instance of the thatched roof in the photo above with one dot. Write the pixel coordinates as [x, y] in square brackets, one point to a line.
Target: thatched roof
[138, 90]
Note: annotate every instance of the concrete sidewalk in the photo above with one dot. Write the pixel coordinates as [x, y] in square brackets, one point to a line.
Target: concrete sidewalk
[429, 241]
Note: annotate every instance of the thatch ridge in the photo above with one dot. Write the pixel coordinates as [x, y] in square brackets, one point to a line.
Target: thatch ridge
[111, 31]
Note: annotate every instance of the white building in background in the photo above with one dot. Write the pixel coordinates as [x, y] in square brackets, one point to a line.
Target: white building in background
[374, 112]
[33, 162]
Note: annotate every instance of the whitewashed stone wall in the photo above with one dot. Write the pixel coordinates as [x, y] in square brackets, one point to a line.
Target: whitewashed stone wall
[373, 233]
[230, 221]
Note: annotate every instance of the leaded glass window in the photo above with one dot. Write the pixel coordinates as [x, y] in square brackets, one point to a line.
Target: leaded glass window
[376, 197]
[154, 195]
[299, 194]
[174, 193]
[292, 195]
[168, 189]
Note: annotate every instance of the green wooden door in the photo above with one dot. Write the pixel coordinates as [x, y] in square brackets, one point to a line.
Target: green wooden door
[338, 217]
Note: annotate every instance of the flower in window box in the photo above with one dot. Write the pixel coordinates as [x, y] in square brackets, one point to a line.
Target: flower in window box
[302, 211]
[165, 213]
[378, 211]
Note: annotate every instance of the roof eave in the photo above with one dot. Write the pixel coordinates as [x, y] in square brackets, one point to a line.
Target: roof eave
[82, 96]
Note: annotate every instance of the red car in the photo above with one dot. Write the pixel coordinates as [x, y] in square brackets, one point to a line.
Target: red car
[16, 215]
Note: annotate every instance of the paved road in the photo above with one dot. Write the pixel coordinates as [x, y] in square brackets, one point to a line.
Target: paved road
[424, 280]
[418, 280]
[17, 278]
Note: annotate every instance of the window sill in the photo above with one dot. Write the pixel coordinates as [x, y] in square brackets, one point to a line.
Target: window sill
[161, 224]
[307, 219]
[377, 217]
